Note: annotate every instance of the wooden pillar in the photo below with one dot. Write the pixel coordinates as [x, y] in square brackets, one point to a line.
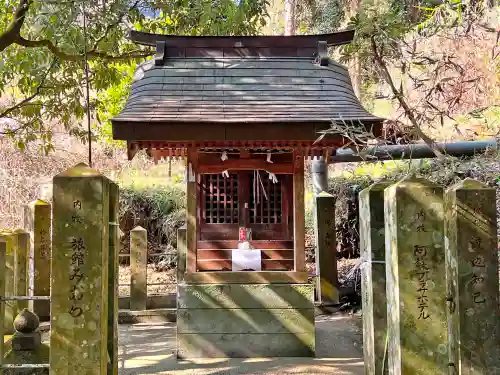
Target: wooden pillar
[299, 223]
[181, 254]
[326, 250]
[472, 276]
[138, 269]
[38, 222]
[113, 270]
[79, 277]
[415, 278]
[192, 200]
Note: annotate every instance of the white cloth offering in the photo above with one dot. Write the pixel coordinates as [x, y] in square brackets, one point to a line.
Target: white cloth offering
[246, 259]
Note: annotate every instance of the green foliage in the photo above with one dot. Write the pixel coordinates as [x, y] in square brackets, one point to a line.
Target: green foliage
[161, 211]
[42, 67]
[320, 16]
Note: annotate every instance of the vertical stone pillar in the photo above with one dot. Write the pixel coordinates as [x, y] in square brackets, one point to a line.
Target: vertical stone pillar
[372, 246]
[138, 269]
[3, 273]
[22, 239]
[37, 221]
[181, 253]
[472, 275]
[415, 277]
[10, 307]
[114, 249]
[79, 280]
[326, 250]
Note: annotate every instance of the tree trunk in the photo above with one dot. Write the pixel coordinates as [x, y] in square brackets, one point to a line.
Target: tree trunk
[289, 16]
[355, 64]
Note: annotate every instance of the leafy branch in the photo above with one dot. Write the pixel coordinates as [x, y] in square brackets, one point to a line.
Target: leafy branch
[12, 35]
[28, 99]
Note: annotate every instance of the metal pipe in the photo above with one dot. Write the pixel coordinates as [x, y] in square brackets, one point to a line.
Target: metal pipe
[414, 151]
[319, 174]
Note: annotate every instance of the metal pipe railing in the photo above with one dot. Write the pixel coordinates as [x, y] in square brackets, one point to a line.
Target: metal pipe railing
[414, 151]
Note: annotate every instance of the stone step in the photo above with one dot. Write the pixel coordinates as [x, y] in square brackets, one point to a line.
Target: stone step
[170, 315]
[147, 316]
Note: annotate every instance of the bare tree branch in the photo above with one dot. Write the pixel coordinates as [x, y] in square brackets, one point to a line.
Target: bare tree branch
[401, 99]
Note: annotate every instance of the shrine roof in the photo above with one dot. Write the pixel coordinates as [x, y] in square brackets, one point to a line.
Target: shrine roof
[211, 87]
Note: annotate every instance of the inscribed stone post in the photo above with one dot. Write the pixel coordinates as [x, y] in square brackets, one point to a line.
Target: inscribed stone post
[138, 268]
[79, 290]
[326, 259]
[372, 246]
[37, 221]
[22, 239]
[472, 275]
[9, 279]
[114, 249]
[415, 278]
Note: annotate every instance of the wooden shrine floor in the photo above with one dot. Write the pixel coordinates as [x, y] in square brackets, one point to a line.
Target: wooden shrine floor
[149, 349]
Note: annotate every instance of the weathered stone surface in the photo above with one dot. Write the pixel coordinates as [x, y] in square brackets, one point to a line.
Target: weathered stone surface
[221, 345]
[472, 275]
[113, 269]
[79, 292]
[245, 320]
[38, 356]
[416, 285]
[38, 222]
[374, 302]
[138, 268]
[3, 282]
[326, 250]
[26, 341]
[21, 267]
[244, 296]
[9, 279]
[26, 321]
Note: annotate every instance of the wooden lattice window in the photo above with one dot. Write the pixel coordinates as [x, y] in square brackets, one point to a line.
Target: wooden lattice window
[265, 200]
[221, 198]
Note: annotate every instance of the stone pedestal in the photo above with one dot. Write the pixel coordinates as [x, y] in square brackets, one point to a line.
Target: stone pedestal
[374, 300]
[38, 222]
[79, 290]
[245, 320]
[472, 274]
[416, 284]
[26, 346]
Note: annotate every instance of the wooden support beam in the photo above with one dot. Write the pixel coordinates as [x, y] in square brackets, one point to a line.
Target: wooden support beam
[192, 199]
[246, 164]
[299, 211]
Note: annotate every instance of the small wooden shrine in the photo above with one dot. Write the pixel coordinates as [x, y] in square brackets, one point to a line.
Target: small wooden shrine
[245, 113]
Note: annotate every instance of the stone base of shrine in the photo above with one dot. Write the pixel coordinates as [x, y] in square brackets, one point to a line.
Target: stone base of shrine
[245, 320]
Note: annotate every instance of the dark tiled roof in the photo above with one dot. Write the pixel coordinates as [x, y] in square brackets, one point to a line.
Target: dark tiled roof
[242, 90]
